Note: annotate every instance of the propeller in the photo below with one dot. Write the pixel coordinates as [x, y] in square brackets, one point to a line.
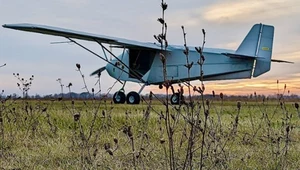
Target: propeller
[3, 65]
[98, 72]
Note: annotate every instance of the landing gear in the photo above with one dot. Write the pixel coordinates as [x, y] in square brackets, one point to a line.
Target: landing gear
[133, 98]
[119, 97]
[175, 99]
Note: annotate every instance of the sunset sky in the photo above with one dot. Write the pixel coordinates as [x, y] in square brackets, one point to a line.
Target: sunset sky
[226, 22]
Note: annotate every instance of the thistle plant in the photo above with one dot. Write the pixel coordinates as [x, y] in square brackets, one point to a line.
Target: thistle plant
[24, 85]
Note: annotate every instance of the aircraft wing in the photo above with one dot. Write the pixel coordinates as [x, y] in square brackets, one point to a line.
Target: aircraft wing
[55, 31]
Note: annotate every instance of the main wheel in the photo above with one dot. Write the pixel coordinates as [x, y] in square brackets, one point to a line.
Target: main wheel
[119, 97]
[175, 99]
[133, 98]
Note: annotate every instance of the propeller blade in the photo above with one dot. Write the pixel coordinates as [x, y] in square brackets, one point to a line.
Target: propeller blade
[98, 72]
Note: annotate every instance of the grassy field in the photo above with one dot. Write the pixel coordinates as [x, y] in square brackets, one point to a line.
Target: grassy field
[256, 134]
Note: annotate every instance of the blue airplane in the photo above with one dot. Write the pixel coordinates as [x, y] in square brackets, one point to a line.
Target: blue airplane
[141, 62]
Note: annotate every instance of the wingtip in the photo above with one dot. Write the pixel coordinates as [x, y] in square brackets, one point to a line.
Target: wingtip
[7, 26]
[10, 25]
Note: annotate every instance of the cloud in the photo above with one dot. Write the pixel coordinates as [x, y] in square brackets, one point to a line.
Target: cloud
[137, 20]
[243, 11]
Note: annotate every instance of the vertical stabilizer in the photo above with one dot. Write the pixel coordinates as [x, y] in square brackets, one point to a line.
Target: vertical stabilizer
[249, 45]
[259, 44]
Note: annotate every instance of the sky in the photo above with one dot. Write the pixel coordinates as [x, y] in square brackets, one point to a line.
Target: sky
[226, 22]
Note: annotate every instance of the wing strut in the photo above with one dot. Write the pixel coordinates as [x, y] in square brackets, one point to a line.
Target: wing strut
[135, 74]
[105, 59]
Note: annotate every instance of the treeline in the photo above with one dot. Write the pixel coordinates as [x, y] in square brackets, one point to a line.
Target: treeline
[86, 95]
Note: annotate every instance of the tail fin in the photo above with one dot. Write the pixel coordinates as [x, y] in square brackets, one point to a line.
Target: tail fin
[259, 44]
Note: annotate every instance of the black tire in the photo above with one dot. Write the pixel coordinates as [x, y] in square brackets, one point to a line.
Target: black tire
[119, 97]
[133, 98]
[175, 99]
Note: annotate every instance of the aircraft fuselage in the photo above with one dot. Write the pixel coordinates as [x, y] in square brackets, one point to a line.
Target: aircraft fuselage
[217, 66]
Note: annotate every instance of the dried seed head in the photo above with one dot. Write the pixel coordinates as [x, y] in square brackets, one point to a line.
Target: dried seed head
[164, 6]
[221, 96]
[213, 93]
[110, 152]
[78, 66]
[207, 102]
[45, 109]
[107, 146]
[206, 113]
[95, 152]
[150, 95]
[288, 129]
[146, 135]
[130, 134]
[297, 106]
[162, 21]
[203, 31]
[173, 117]
[76, 116]
[116, 140]
[238, 105]
[162, 140]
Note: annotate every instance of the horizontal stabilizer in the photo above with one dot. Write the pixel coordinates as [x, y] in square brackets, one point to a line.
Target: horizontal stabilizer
[240, 56]
[282, 61]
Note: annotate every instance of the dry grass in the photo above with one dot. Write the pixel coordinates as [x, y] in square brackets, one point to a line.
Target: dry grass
[35, 137]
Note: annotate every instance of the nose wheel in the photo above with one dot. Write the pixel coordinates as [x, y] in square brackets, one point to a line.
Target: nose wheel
[119, 97]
